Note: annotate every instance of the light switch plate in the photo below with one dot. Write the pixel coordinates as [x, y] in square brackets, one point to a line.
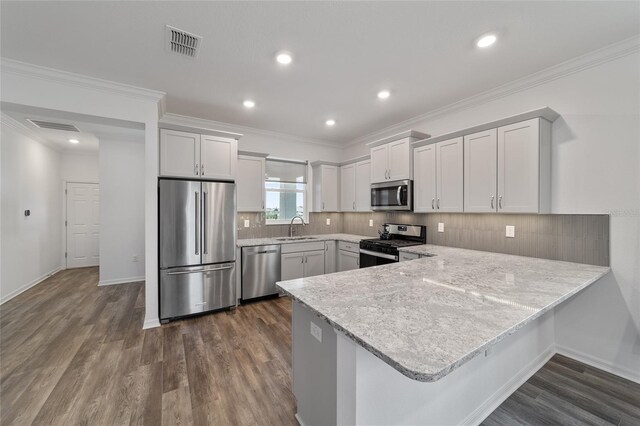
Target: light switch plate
[440, 227]
[328, 221]
[316, 332]
[370, 222]
[510, 231]
[246, 223]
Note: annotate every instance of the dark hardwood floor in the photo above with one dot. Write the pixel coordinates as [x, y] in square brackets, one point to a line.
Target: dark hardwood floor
[74, 353]
[568, 392]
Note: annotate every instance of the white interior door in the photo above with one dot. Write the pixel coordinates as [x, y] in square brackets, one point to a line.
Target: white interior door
[83, 224]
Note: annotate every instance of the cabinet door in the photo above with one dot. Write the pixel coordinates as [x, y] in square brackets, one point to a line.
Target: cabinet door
[348, 188]
[292, 266]
[179, 154]
[218, 157]
[313, 263]
[329, 257]
[449, 176]
[348, 261]
[424, 184]
[400, 164]
[480, 172]
[519, 167]
[250, 184]
[329, 188]
[363, 186]
[379, 163]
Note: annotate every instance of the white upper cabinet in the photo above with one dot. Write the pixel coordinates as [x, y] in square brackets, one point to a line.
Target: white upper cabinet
[179, 154]
[363, 186]
[392, 161]
[218, 157]
[507, 169]
[480, 171]
[438, 183]
[424, 183]
[325, 188]
[250, 183]
[348, 188]
[191, 155]
[449, 176]
[523, 159]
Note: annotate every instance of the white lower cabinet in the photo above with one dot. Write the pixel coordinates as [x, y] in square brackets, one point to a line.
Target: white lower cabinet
[302, 260]
[330, 257]
[348, 260]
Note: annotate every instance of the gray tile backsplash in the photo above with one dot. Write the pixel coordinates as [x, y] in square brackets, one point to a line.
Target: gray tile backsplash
[573, 238]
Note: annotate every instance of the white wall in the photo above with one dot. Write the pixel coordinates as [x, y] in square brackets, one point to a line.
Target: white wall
[79, 167]
[121, 211]
[31, 246]
[595, 169]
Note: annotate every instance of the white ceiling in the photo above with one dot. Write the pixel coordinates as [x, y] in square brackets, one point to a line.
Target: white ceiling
[92, 129]
[344, 52]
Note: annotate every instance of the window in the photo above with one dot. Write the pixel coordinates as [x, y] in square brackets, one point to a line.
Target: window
[286, 191]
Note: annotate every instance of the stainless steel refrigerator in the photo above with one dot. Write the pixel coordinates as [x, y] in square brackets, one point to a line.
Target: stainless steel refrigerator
[197, 247]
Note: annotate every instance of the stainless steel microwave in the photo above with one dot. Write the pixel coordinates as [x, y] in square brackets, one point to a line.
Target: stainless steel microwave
[392, 196]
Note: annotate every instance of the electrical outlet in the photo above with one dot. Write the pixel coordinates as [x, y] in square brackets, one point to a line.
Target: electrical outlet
[328, 221]
[134, 258]
[247, 223]
[510, 231]
[440, 227]
[316, 332]
[370, 222]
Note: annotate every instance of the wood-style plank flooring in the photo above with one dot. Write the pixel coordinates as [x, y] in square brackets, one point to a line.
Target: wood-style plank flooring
[74, 353]
[568, 392]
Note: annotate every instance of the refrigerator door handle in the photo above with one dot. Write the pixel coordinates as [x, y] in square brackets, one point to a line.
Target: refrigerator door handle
[198, 271]
[204, 222]
[197, 221]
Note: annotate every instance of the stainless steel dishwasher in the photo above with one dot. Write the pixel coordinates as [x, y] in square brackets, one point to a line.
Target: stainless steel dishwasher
[260, 271]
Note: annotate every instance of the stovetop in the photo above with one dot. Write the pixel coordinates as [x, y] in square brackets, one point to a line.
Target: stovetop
[392, 243]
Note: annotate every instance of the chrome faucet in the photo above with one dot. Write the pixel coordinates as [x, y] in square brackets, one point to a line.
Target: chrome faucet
[291, 224]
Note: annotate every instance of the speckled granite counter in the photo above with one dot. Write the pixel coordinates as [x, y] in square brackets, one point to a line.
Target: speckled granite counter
[246, 242]
[426, 317]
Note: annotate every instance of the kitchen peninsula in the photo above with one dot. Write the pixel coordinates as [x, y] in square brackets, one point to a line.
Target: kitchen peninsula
[438, 340]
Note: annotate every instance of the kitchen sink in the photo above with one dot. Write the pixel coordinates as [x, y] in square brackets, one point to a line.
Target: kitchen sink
[295, 238]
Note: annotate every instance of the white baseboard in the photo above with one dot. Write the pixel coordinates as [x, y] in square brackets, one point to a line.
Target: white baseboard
[151, 323]
[29, 285]
[599, 363]
[121, 281]
[494, 401]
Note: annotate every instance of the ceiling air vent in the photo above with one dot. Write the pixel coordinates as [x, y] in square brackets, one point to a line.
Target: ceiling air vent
[182, 42]
[54, 126]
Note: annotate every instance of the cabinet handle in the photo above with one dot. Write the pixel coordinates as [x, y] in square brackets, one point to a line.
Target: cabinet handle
[202, 169]
[354, 205]
[492, 197]
[500, 201]
[323, 205]
[438, 204]
[195, 170]
[433, 204]
[301, 259]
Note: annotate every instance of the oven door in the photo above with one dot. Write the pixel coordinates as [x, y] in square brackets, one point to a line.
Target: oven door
[371, 258]
[392, 196]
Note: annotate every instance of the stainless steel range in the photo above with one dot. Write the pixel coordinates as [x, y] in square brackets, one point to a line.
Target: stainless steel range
[383, 250]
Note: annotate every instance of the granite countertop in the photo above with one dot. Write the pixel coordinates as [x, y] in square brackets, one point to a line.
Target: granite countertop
[349, 238]
[428, 316]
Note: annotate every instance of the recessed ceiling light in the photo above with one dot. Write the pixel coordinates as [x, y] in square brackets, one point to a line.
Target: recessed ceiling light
[74, 141]
[249, 103]
[383, 94]
[486, 40]
[330, 122]
[284, 58]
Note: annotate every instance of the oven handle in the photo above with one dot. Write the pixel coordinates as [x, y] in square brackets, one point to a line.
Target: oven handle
[376, 254]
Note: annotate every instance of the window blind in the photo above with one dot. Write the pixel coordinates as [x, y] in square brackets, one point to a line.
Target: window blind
[286, 171]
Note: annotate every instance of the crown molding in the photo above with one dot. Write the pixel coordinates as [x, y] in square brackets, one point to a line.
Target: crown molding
[20, 128]
[597, 57]
[11, 66]
[202, 123]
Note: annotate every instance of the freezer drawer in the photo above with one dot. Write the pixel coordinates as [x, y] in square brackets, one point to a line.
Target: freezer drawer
[193, 290]
[260, 271]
